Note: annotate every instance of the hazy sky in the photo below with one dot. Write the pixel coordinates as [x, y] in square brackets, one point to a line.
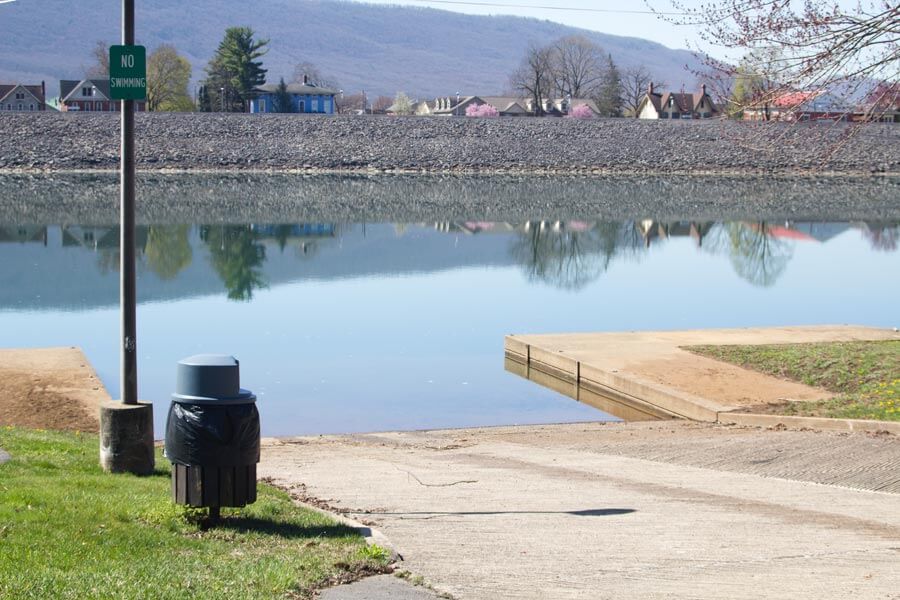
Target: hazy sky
[633, 24]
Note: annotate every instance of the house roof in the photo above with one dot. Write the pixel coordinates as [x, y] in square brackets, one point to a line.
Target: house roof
[68, 87]
[296, 88]
[34, 90]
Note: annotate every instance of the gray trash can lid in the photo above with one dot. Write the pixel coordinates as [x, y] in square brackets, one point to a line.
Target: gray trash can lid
[210, 379]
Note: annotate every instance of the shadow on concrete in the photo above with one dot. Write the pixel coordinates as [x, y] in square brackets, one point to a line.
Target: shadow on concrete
[591, 512]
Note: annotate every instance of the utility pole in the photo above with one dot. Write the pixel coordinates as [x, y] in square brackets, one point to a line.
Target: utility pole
[127, 275]
[126, 427]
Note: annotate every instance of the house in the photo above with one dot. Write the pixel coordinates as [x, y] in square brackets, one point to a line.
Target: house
[507, 106]
[306, 98]
[798, 106]
[22, 98]
[89, 95]
[672, 105]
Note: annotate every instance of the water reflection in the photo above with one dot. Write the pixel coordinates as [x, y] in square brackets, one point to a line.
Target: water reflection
[244, 258]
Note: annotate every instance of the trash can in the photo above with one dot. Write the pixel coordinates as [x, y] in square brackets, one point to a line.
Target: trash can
[212, 435]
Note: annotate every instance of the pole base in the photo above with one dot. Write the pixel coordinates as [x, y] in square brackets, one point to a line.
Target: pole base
[126, 438]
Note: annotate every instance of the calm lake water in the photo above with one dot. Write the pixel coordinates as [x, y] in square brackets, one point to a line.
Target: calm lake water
[345, 326]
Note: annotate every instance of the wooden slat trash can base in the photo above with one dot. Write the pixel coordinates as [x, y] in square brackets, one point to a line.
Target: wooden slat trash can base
[198, 486]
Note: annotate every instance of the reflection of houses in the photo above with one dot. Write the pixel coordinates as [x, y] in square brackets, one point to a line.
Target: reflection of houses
[24, 234]
[22, 98]
[100, 238]
[480, 227]
[671, 105]
[304, 235]
[507, 106]
[652, 230]
[89, 95]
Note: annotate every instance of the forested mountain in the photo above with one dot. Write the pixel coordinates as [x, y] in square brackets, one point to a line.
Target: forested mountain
[377, 48]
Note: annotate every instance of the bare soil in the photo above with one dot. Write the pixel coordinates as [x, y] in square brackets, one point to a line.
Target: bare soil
[49, 388]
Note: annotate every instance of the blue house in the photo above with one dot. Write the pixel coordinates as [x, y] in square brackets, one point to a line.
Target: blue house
[305, 97]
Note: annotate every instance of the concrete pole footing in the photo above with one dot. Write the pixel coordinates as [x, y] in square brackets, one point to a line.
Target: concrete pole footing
[126, 437]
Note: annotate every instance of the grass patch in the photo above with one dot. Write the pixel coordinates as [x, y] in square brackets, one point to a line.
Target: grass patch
[864, 375]
[68, 530]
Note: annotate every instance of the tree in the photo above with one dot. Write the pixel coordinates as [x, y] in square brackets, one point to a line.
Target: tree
[577, 66]
[635, 84]
[168, 74]
[351, 103]
[481, 110]
[307, 72]
[381, 104]
[234, 71]
[582, 111]
[757, 82]
[534, 77]
[100, 55]
[609, 94]
[824, 44]
[284, 103]
[401, 105]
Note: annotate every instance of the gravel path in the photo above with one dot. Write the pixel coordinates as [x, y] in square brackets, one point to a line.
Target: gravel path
[53, 141]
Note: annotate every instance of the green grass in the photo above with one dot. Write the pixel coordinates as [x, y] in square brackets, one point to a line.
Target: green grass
[68, 530]
[864, 375]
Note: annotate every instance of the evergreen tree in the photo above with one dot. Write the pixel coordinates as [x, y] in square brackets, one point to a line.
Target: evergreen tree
[234, 71]
[283, 101]
[609, 96]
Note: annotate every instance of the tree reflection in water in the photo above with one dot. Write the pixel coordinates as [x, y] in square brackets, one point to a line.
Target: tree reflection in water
[571, 255]
[237, 257]
[168, 251]
[757, 255]
[882, 236]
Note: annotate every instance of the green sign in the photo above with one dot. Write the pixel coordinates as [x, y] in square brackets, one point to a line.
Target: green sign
[127, 72]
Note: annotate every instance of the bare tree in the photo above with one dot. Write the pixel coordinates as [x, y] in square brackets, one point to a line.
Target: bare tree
[823, 44]
[381, 104]
[635, 83]
[100, 55]
[534, 77]
[577, 66]
[351, 103]
[307, 72]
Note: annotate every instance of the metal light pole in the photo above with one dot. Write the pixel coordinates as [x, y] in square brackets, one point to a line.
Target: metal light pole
[126, 427]
[127, 284]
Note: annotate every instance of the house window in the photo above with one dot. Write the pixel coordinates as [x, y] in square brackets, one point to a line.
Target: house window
[20, 106]
[302, 106]
[31, 107]
[262, 106]
[20, 95]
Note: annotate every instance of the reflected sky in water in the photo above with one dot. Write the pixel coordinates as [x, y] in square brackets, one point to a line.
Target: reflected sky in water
[363, 327]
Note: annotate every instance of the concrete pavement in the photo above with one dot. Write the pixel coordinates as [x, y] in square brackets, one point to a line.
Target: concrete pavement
[668, 509]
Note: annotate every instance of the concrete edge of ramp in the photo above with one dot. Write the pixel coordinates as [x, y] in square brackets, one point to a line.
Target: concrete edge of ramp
[573, 363]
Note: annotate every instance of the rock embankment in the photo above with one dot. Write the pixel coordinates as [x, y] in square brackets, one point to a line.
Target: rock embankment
[54, 141]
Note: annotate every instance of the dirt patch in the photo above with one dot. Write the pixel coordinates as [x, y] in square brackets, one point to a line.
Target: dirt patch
[52, 388]
[727, 384]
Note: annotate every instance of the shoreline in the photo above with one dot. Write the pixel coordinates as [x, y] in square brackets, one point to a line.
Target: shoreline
[224, 142]
[487, 172]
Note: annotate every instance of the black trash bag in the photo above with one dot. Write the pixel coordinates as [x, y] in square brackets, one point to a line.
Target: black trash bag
[212, 435]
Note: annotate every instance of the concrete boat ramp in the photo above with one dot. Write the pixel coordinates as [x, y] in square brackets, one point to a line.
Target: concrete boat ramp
[648, 375]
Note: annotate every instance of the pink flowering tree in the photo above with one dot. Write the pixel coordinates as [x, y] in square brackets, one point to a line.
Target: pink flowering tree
[582, 111]
[481, 110]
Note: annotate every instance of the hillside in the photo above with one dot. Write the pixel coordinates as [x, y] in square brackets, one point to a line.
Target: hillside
[377, 48]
